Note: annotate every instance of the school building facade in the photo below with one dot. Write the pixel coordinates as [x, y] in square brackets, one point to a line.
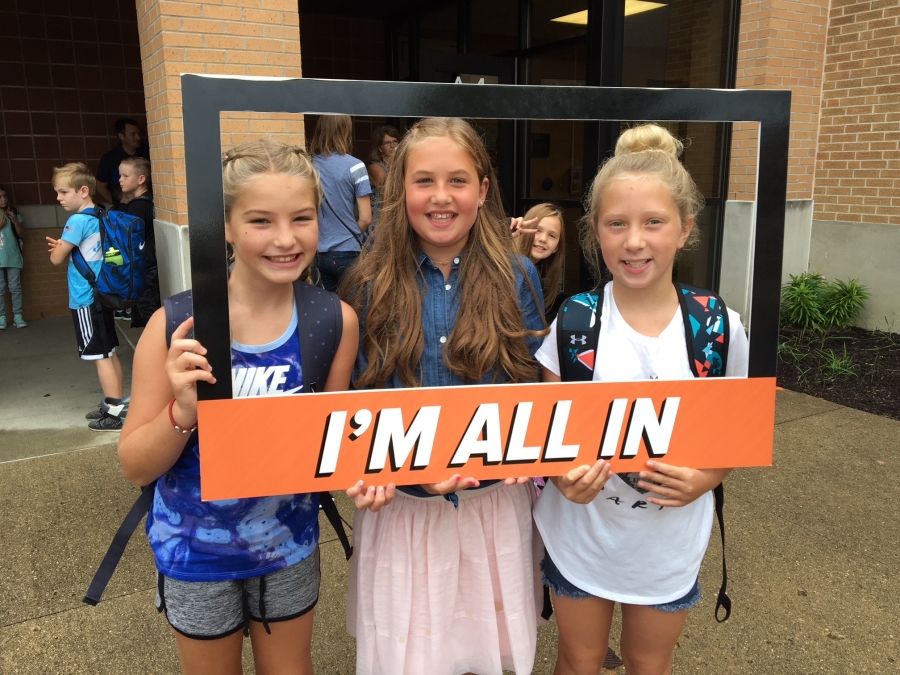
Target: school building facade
[70, 69]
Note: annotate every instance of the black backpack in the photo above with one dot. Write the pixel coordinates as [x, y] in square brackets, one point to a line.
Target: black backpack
[316, 305]
[706, 333]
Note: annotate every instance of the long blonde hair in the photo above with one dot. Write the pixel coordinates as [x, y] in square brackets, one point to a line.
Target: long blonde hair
[245, 162]
[550, 268]
[647, 149]
[489, 333]
[333, 134]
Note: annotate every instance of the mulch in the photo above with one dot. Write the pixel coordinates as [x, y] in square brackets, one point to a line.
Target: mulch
[856, 368]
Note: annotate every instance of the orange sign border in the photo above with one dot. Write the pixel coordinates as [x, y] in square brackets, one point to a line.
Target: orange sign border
[247, 450]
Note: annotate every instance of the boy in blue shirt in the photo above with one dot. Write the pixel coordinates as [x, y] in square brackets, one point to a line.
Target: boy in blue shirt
[94, 325]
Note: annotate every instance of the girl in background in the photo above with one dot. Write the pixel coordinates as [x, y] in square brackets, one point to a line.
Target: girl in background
[346, 211]
[11, 260]
[544, 243]
[250, 564]
[443, 575]
[385, 140]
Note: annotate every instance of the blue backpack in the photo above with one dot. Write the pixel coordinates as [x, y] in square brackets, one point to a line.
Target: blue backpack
[706, 336]
[123, 271]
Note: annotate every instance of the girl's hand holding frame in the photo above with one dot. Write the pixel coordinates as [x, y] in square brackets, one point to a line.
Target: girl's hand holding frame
[583, 483]
[185, 366]
[678, 485]
[372, 498]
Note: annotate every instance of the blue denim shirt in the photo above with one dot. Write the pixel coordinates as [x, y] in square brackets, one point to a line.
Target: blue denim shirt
[440, 305]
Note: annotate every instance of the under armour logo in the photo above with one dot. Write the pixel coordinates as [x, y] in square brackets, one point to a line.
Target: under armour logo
[578, 340]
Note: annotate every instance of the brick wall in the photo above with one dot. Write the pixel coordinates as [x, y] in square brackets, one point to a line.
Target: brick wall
[67, 72]
[45, 291]
[858, 167]
[224, 37]
[781, 46]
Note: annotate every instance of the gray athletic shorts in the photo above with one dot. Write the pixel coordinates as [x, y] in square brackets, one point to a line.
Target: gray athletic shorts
[209, 610]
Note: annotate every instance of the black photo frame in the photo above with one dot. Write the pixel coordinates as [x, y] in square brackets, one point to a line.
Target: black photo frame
[205, 97]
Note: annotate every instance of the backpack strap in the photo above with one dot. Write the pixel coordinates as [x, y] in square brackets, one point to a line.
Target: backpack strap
[81, 265]
[117, 548]
[322, 309]
[707, 332]
[178, 308]
[357, 237]
[577, 334]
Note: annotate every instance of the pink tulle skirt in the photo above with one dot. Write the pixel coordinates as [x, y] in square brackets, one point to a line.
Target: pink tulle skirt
[440, 591]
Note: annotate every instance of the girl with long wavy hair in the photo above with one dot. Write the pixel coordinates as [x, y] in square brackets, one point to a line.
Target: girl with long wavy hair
[443, 575]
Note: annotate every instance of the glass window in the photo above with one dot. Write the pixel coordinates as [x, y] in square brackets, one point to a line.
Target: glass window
[493, 27]
[437, 30]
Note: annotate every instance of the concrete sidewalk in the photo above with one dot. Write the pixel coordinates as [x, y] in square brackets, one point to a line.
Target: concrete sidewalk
[812, 542]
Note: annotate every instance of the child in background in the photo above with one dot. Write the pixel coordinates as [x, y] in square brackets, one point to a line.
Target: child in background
[11, 260]
[443, 576]
[94, 324]
[544, 243]
[600, 549]
[137, 200]
[249, 564]
[385, 140]
[346, 207]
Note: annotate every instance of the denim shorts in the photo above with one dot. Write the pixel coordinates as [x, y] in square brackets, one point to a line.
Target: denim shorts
[554, 580]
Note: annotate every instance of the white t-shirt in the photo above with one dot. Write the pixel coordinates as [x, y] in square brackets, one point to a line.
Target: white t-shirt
[620, 547]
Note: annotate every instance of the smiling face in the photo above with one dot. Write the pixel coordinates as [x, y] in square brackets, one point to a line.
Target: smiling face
[546, 239]
[443, 193]
[273, 226]
[640, 231]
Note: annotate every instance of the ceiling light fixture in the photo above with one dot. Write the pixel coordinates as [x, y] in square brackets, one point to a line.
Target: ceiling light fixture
[631, 7]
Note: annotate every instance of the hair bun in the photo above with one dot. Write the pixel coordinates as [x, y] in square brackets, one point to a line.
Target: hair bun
[649, 138]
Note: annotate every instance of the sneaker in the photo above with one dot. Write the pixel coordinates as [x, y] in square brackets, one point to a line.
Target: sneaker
[94, 414]
[117, 407]
[122, 314]
[107, 423]
[2, 321]
[19, 322]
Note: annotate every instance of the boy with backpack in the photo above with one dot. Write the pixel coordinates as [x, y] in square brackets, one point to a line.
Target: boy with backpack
[137, 200]
[94, 324]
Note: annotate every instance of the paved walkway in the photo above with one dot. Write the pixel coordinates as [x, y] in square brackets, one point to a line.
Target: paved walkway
[812, 542]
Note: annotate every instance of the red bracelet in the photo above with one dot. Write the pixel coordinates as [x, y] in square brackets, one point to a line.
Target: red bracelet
[174, 424]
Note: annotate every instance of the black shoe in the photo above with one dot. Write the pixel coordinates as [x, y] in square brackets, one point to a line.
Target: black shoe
[107, 423]
[94, 414]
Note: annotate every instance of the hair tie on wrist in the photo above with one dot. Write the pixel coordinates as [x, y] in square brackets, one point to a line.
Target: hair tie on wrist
[175, 425]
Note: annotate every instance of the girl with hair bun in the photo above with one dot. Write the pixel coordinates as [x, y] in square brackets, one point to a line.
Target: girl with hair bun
[239, 564]
[641, 541]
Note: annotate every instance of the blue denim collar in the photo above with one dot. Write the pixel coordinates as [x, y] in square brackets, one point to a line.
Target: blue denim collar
[421, 259]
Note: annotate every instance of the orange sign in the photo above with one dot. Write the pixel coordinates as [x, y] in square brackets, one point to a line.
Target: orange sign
[262, 446]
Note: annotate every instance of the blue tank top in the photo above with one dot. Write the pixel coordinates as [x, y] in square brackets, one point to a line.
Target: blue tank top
[193, 540]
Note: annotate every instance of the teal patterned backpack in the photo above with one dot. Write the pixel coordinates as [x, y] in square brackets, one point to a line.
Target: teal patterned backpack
[706, 336]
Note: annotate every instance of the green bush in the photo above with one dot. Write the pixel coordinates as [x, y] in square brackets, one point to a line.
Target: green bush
[843, 302]
[810, 303]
